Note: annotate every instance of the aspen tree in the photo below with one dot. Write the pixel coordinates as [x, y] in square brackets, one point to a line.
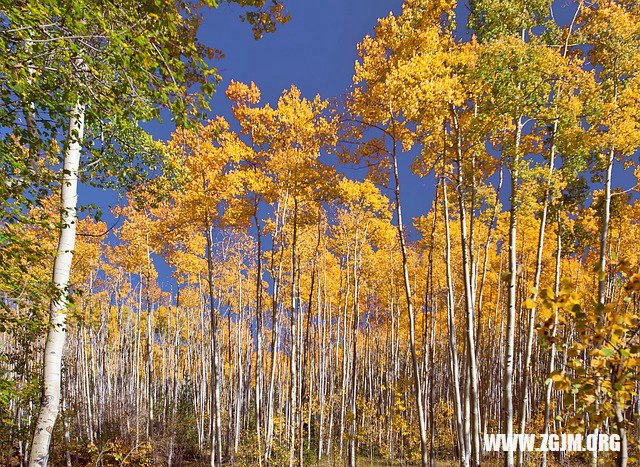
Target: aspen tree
[78, 106]
[565, 111]
[306, 320]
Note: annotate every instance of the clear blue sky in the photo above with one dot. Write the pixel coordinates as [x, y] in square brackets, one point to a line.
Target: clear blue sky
[315, 50]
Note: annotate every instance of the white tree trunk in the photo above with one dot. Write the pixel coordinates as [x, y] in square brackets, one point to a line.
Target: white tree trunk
[61, 270]
[470, 300]
[412, 321]
[451, 328]
[511, 316]
[552, 353]
[524, 408]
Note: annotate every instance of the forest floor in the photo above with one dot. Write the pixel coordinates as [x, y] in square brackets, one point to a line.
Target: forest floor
[362, 462]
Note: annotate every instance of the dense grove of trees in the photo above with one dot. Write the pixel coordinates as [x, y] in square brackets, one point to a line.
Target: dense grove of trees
[309, 320]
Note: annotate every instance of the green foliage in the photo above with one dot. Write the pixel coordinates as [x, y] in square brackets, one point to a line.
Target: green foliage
[263, 20]
[490, 19]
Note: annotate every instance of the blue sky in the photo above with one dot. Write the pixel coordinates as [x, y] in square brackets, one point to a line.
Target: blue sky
[315, 50]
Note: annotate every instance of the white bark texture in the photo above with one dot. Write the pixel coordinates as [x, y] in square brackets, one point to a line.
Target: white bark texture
[61, 271]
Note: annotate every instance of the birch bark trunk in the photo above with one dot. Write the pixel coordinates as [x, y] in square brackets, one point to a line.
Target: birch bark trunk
[469, 293]
[511, 314]
[354, 363]
[216, 438]
[451, 326]
[259, 322]
[412, 318]
[552, 355]
[279, 233]
[293, 365]
[536, 283]
[57, 309]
